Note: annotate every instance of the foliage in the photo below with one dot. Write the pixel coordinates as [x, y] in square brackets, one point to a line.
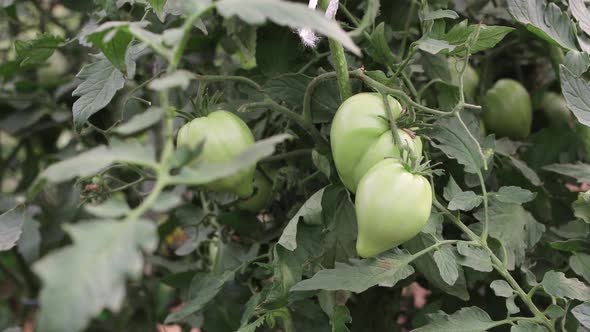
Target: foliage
[107, 224]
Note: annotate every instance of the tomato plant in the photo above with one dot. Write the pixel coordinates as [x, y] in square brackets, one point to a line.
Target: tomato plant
[292, 165]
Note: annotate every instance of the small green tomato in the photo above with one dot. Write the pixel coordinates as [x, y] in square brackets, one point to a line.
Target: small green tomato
[226, 136]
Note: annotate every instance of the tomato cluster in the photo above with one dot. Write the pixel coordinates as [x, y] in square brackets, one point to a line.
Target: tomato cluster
[392, 203]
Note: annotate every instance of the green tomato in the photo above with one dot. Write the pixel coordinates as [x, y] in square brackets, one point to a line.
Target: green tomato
[361, 136]
[262, 196]
[507, 110]
[470, 77]
[555, 109]
[392, 206]
[226, 136]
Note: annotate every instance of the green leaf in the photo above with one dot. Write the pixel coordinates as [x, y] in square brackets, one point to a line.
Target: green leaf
[293, 15]
[580, 12]
[379, 49]
[140, 122]
[311, 211]
[29, 243]
[368, 19]
[507, 148]
[426, 265]
[475, 258]
[252, 327]
[579, 171]
[579, 262]
[465, 201]
[502, 288]
[339, 318]
[571, 245]
[11, 224]
[434, 46]
[511, 306]
[526, 326]
[208, 288]
[456, 143]
[178, 79]
[91, 268]
[440, 13]
[339, 219]
[515, 227]
[466, 319]
[100, 81]
[113, 39]
[92, 161]
[447, 264]
[554, 311]
[582, 314]
[581, 207]
[546, 21]
[452, 189]
[556, 284]
[385, 270]
[166, 201]
[515, 195]
[35, 52]
[207, 172]
[577, 62]
[114, 207]
[488, 37]
[288, 265]
[158, 7]
[576, 91]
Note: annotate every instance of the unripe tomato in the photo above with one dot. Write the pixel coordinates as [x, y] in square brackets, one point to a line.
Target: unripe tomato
[507, 110]
[226, 136]
[470, 77]
[262, 196]
[361, 136]
[392, 206]
[555, 109]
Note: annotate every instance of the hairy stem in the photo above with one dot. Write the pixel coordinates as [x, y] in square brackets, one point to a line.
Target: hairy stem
[341, 67]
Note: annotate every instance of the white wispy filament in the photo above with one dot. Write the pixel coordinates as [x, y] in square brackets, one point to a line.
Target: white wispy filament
[308, 37]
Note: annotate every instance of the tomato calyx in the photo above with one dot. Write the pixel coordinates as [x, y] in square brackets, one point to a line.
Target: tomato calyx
[417, 166]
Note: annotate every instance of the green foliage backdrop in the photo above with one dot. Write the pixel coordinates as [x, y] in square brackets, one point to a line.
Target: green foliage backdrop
[106, 224]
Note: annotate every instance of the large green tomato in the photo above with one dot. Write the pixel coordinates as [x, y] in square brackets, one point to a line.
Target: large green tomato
[555, 109]
[507, 110]
[361, 136]
[262, 196]
[226, 136]
[470, 77]
[392, 206]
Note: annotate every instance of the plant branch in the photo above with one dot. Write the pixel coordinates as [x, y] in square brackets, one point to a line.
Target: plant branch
[321, 143]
